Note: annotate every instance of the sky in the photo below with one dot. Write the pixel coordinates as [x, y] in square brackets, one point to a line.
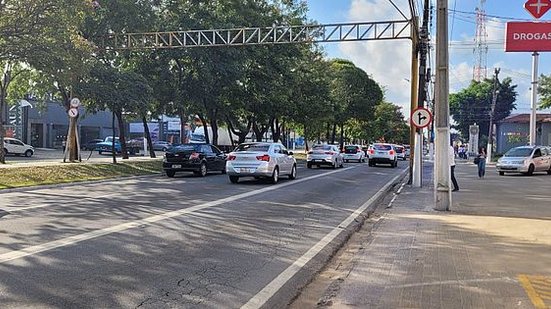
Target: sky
[389, 62]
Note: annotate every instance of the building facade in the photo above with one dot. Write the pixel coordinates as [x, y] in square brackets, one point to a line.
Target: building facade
[514, 131]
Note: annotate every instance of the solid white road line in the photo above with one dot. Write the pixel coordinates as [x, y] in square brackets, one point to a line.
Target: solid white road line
[271, 289]
[32, 250]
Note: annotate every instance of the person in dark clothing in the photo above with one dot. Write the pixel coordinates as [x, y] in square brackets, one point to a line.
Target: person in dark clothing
[452, 168]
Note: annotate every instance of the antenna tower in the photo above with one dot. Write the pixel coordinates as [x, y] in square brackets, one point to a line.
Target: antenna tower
[480, 51]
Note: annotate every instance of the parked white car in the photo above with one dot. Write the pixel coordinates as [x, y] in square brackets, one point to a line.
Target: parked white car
[261, 160]
[324, 155]
[17, 147]
[525, 159]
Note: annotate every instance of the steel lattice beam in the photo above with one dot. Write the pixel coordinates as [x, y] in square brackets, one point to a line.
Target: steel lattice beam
[366, 31]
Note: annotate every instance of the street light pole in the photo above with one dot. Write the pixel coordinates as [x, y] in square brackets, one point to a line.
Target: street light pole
[495, 92]
[442, 195]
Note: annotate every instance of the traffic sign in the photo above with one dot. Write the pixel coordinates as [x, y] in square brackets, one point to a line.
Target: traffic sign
[421, 117]
[537, 8]
[75, 102]
[73, 112]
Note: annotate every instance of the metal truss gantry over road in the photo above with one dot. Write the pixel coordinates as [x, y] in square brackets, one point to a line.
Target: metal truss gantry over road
[361, 31]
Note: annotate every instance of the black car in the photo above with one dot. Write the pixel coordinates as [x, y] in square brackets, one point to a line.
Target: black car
[91, 144]
[197, 158]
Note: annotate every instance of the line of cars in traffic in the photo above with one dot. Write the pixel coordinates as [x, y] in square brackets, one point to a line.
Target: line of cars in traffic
[377, 153]
[265, 160]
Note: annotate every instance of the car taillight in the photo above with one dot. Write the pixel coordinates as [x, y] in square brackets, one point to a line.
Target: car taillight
[263, 158]
[231, 157]
[371, 151]
[194, 155]
[329, 152]
[391, 152]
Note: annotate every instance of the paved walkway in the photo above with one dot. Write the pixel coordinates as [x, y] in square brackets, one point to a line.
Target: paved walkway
[493, 250]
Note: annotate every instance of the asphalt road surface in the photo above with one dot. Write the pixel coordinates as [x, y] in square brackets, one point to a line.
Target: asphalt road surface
[184, 242]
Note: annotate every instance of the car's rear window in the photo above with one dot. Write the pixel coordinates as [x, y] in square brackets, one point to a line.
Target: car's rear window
[350, 149]
[519, 152]
[321, 147]
[399, 149]
[187, 147]
[253, 147]
[383, 147]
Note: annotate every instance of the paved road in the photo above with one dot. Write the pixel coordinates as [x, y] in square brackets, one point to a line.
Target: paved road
[186, 242]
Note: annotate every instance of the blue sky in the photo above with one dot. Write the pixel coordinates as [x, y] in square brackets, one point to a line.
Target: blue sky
[389, 62]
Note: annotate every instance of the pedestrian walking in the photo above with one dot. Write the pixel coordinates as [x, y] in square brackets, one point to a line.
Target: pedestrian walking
[452, 168]
[481, 162]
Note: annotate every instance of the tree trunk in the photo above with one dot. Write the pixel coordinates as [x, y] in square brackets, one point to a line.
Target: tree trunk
[214, 125]
[258, 132]
[122, 137]
[242, 134]
[71, 143]
[341, 143]
[6, 79]
[148, 138]
[205, 128]
[334, 133]
[328, 132]
[306, 138]
[113, 151]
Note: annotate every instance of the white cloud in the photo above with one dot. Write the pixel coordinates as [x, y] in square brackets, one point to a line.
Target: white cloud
[388, 62]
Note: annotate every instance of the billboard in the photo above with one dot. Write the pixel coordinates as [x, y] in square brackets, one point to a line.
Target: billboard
[528, 37]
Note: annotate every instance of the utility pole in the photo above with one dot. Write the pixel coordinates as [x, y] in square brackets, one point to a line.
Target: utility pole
[414, 100]
[422, 95]
[442, 196]
[495, 92]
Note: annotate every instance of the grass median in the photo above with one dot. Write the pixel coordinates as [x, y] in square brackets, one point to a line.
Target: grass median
[67, 173]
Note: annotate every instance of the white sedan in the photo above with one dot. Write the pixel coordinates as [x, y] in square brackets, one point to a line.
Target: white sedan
[261, 160]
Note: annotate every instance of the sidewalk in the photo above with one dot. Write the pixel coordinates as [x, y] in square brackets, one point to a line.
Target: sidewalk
[493, 250]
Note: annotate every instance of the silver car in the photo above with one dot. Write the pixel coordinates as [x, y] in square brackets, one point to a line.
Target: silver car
[324, 155]
[261, 160]
[525, 159]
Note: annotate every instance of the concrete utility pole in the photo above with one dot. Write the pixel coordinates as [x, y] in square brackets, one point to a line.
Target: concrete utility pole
[535, 58]
[495, 92]
[442, 195]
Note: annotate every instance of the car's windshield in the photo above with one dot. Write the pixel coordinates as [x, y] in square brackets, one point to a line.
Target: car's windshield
[253, 147]
[197, 137]
[383, 147]
[186, 147]
[321, 147]
[519, 152]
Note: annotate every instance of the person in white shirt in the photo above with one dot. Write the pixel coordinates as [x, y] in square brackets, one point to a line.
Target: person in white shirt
[451, 159]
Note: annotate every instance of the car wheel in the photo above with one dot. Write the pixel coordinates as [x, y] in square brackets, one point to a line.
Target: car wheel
[275, 176]
[170, 173]
[234, 179]
[501, 173]
[202, 170]
[549, 171]
[28, 153]
[530, 170]
[293, 174]
[308, 165]
[100, 152]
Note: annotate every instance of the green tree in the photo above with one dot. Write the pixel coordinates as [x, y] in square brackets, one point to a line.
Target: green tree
[544, 89]
[473, 104]
[388, 125]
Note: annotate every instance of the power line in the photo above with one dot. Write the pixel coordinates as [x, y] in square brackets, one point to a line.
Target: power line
[493, 16]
